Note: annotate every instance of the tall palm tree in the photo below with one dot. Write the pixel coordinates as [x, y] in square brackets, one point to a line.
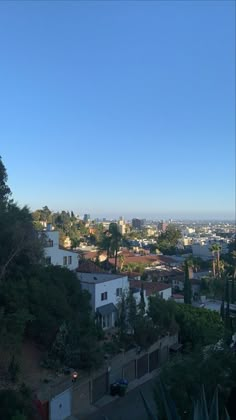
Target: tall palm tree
[116, 238]
[121, 261]
[215, 250]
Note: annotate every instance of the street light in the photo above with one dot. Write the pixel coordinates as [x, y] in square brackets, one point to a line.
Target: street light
[74, 376]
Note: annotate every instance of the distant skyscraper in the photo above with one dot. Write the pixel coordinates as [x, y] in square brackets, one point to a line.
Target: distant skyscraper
[137, 223]
[86, 218]
[162, 226]
[121, 226]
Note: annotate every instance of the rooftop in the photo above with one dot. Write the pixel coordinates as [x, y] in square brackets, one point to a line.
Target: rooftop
[89, 267]
[95, 277]
[150, 287]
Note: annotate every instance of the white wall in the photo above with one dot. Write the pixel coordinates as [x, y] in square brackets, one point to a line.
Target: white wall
[110, 287]
[137, 297]
[203, 249]
[60, 406]
[97, 288]
[58, 254]
[166, 294]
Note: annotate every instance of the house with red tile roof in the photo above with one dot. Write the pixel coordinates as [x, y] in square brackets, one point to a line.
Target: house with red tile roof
[150, 289]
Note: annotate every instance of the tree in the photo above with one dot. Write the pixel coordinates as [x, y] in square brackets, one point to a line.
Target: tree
[5, 191]
[162, 313]
[234, 275]
[131, 309]
[15, 403]
[227, 298]
[19, 242]
[142, 304]
[198, 326]
[43, 304]
[167, 241]
[115, 241]
[184, 375]
[121, 261]
[215, 250]
[122, 315]
[187, 285]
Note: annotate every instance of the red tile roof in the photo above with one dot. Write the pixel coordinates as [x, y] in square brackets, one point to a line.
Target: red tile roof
[144, 259]
[151, 287]
[89, 267]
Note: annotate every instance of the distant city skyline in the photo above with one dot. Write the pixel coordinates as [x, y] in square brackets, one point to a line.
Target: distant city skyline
[120, 108]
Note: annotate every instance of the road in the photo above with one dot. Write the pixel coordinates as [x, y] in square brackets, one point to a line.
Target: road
[129, 407]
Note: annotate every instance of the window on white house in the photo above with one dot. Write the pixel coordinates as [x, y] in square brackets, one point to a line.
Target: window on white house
[119, 291]
[48, 260]
[69, 260]
[104, 296]
[64, 260]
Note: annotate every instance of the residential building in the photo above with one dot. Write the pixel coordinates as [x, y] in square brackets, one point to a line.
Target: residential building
[121, 226]
[201, 248]
[150, 289]
[105, 290]
[54, 253]
[172, 276]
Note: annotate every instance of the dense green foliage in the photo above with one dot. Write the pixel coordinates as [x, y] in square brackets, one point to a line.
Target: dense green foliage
[110, 242]
[65, 222]
[197, 326]
[185, 374]
[16, 405]
[134, 328]
[187, 285]
[167, 241]
[37, 301]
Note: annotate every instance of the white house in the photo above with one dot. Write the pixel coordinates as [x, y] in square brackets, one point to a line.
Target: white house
[56, 255]
[106, 290]
[150, 289]
[201, 248]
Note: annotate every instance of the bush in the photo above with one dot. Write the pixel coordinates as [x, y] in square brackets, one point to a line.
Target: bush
[13, 369]
[15, 406]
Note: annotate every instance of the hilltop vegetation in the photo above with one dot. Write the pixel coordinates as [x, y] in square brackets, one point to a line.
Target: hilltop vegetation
[38, 302]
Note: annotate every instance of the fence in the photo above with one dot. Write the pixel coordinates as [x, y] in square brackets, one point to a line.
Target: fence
[129, 365]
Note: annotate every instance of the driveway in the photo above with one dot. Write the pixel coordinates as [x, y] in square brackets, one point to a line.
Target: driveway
[128, 407]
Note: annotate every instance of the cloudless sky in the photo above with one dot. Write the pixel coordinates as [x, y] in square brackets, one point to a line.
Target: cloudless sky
[120, 107]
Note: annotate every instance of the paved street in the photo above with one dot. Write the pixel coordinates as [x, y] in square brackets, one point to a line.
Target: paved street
[129, 407]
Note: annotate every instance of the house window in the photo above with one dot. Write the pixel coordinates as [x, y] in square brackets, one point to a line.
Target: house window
[119, 291]
[104, 296]
[64, 260]
[69, 260]
[48, 260]
[49, 243]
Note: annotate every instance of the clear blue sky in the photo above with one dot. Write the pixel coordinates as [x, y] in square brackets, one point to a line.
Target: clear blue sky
[119, 108]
